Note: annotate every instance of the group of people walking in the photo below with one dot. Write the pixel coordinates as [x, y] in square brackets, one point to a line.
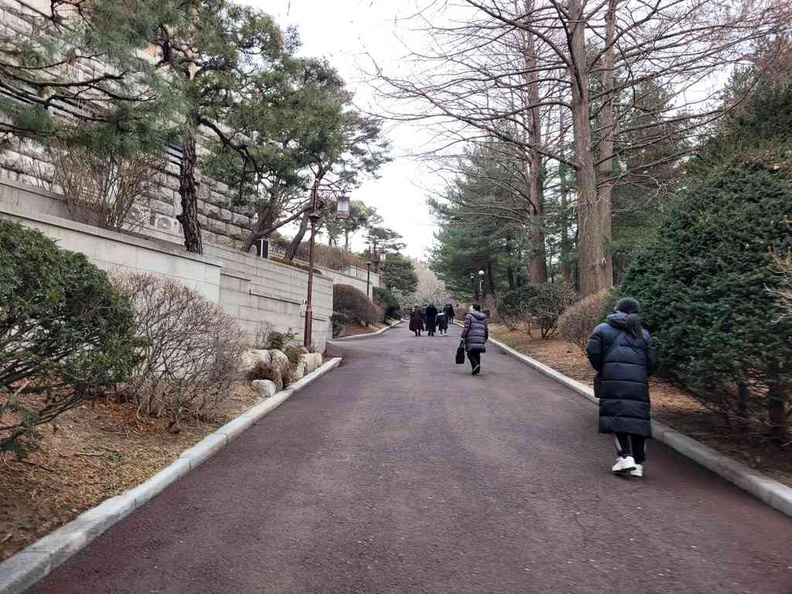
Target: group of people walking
[430, 319]
[621, 352]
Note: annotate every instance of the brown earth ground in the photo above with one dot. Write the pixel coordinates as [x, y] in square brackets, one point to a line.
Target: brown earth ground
[91, 453]
[670, 405]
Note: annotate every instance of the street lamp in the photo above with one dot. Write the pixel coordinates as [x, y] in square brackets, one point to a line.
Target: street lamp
[481, 283]
[473, 283]
[314, 214]
[368, 278]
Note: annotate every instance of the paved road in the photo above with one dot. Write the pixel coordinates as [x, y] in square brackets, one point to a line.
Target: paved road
[401, 473]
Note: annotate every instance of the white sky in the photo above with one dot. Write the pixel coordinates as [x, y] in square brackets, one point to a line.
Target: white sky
[344, 31]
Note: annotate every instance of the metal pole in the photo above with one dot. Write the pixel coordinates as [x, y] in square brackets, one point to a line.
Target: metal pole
[308, 308]
[368, 278]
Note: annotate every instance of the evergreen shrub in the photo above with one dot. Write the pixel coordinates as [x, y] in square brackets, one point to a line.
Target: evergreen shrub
[707, 293]
[66, 334]
[388, 302]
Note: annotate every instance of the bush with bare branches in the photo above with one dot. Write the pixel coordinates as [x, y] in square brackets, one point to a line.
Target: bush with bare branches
[578, 321]
[100, 188]
[191, 348]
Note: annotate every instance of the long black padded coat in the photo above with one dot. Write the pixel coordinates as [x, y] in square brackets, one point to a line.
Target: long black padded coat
[476, 332]
[624, 364]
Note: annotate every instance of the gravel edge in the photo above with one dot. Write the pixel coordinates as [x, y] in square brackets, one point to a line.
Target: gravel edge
[29, 565]
[770, 491]
[363, 336]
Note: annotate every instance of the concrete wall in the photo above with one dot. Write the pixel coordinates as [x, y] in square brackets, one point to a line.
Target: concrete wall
[250, 289]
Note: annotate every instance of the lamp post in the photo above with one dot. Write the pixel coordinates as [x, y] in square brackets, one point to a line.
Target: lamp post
[475, 287]
[368, 278]
[314, 214]
[481, 283]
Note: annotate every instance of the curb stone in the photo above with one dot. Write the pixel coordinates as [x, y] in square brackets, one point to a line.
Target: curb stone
[773, 493]
[28, 566]
[362, 336]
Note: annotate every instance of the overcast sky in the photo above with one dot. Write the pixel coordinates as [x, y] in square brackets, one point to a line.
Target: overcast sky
[344, 31]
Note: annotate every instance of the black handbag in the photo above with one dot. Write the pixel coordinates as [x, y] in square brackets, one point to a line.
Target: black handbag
[460, 354]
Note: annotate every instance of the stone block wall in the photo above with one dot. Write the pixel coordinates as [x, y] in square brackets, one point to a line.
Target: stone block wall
[252, 290]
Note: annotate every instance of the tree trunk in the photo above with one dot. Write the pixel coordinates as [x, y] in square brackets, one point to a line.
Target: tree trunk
[777, 401]
[491, 279]
[291, 251]
[608, 127]
[594, 264]
[188, 191]
[565, 247]
[537, 266]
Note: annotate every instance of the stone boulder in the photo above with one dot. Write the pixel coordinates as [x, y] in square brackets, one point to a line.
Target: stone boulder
[278, 359]
[252, 357]
[265, 388]
[301, 370]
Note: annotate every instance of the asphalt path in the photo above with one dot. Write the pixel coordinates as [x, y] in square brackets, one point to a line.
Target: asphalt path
[401, 473]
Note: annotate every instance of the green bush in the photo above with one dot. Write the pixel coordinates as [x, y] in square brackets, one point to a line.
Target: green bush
[706, 290]
[355, 305]
[388, 302]
[279, 340]
[339, 321]
[66, 334]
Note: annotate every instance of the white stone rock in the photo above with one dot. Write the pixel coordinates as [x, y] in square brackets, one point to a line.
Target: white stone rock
[264, 388]
[278, 358]
[254, 356]
[309, 362]
[302, 369]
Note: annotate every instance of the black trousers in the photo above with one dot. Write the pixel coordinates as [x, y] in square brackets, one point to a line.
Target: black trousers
[474, 358]
[628, 444]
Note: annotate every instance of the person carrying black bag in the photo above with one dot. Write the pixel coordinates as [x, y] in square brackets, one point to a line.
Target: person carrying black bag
[624, 356]
[475, 334]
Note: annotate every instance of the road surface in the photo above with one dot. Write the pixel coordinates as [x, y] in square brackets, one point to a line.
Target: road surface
[401, 473]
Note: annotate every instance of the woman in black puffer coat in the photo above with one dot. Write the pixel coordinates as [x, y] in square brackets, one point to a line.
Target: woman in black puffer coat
[475, 335]
[624, 356]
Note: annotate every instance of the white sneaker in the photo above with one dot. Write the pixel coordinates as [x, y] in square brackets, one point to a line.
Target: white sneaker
[624, 465]
[637, 471]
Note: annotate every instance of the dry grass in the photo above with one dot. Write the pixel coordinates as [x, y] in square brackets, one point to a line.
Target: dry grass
[358, 329]
[92, 453]
[670, 405]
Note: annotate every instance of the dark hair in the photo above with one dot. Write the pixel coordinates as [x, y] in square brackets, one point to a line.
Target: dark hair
[477, 307]
[631, 307]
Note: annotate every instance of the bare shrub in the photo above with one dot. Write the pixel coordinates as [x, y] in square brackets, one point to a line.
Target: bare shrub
[578, 321]
[191, 349]
[263, 331]
[266, 371]
[100, 188]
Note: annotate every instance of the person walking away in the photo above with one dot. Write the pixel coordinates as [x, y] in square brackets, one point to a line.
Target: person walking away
[431, 319]
[624, 356]
[416, 321]
[475, 334]
[448, 310]
[442, 324]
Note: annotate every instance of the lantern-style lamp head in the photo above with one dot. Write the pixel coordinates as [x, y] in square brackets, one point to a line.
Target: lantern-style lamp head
[481, 273]
[342, 210]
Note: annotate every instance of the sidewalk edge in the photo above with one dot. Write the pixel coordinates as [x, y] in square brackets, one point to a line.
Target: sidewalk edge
[362, 336]
[773, 493]
[20, 571]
